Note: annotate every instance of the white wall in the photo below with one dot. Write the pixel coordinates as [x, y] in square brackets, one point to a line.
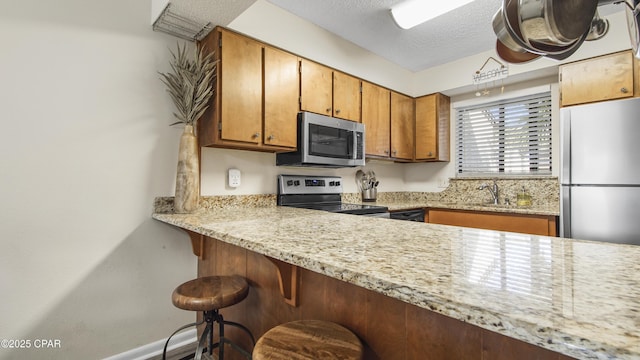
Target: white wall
[85, 147]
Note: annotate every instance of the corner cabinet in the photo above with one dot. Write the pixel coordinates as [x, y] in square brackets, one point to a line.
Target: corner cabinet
[608, 77]
[432, 128]
[329, 92]
[250, 74]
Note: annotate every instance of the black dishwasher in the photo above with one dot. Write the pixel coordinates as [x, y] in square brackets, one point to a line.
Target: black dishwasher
[409, 215]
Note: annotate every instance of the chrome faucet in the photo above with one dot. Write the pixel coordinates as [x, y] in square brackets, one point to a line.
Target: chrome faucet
[493, 190]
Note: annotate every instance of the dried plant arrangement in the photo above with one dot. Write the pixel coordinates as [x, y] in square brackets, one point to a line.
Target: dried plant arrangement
[190, 84]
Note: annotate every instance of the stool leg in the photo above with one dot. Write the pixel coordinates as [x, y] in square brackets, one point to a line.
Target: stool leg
[219, 318]
[164, 351]
[221, 329]
[208, 330]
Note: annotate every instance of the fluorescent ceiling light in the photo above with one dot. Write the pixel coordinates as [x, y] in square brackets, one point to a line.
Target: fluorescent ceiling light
[410, 13]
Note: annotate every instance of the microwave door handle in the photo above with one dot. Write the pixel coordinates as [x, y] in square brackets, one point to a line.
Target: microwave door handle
[352, 143]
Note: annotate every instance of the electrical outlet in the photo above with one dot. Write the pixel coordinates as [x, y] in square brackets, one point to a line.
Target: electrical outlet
[234, 178]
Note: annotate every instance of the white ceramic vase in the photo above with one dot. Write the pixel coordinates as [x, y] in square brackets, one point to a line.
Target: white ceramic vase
[187, 194]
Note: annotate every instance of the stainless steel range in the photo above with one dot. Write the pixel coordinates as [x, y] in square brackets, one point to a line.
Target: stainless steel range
[321, 193]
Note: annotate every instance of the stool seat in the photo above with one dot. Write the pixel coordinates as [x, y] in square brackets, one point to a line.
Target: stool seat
[210, 293]
[308, 339]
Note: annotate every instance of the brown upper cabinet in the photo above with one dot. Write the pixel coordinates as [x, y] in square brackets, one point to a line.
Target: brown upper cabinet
[236, 118]
[389, 123]
[329, 92]
[432, 128]
[602, 78]
[259, 90]
[281, 88]
[376, 117]
[403, 117]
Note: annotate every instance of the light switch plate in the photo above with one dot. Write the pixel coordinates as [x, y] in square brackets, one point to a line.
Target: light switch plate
[234, 178]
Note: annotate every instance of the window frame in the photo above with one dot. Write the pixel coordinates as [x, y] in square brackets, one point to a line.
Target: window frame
[500, 102]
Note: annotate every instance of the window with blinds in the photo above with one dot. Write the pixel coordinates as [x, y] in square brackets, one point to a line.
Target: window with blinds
[506, 137]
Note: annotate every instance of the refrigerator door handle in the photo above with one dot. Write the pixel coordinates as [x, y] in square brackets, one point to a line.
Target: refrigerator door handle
[565, 211]
[565, 147]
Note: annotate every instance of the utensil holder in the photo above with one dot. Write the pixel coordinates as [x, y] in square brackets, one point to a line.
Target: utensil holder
[369, 194]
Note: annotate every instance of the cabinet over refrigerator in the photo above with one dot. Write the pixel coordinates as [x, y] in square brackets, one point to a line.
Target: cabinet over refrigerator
[600, 171]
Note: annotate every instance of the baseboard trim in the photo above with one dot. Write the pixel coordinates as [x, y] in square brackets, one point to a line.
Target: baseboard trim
[154, 349]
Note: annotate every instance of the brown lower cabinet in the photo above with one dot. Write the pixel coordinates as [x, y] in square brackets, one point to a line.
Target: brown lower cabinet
[389, 328]
[528, 224]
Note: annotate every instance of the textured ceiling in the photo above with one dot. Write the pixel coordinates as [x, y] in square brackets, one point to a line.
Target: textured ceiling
[367, 23]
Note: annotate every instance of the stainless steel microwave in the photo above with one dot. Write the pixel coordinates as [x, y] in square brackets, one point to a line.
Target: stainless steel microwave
[325, 141]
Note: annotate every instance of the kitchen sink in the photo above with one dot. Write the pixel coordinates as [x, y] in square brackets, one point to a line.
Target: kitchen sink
[506, 206]
[476, 204]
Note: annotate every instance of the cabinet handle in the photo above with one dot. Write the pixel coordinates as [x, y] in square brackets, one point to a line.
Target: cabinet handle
[386, 152]
[256, 135]
[624, 90]
[338, 111]
[328, 109]
[430, 154]
[271, 137]
[395, 152]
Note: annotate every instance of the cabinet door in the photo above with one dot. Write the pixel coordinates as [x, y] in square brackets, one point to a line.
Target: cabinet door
[376, 118]
[241, 91]
[426, 128]
[346, 96]
[432, 128]
[316, 83]
[402, 126]
[603, 78]
[528, 224]
[281, 89]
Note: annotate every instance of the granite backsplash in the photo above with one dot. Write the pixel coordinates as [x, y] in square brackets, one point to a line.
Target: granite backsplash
[544, 191]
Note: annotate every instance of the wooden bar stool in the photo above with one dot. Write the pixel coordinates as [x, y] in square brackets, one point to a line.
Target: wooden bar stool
[209, 295]
[308, 339]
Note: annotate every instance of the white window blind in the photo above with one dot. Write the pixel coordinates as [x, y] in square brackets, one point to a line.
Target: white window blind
[506, 137]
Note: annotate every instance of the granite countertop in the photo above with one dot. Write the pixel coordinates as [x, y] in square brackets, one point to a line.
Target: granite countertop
[578, 298]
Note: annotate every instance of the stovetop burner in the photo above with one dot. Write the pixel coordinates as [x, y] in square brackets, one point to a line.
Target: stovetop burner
[320, 193]
[344, 208]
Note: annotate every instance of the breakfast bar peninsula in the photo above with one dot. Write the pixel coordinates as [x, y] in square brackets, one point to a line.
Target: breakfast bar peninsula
[423, 291]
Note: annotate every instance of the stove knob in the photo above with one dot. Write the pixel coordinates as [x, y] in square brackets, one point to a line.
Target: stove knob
[289, 182]
[337, 183]
[296, 183]
[332, 183]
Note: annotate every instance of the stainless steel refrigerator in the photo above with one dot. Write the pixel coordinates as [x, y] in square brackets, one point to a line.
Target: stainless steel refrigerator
[600, 171]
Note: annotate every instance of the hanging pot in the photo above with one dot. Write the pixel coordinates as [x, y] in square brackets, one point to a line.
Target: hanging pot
[506, 28]
[510, 46]
[599, 28]
[555, 22]
[513, 57]
[633, 21]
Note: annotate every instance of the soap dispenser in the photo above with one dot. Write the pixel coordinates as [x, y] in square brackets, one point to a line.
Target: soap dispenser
[523, 198]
